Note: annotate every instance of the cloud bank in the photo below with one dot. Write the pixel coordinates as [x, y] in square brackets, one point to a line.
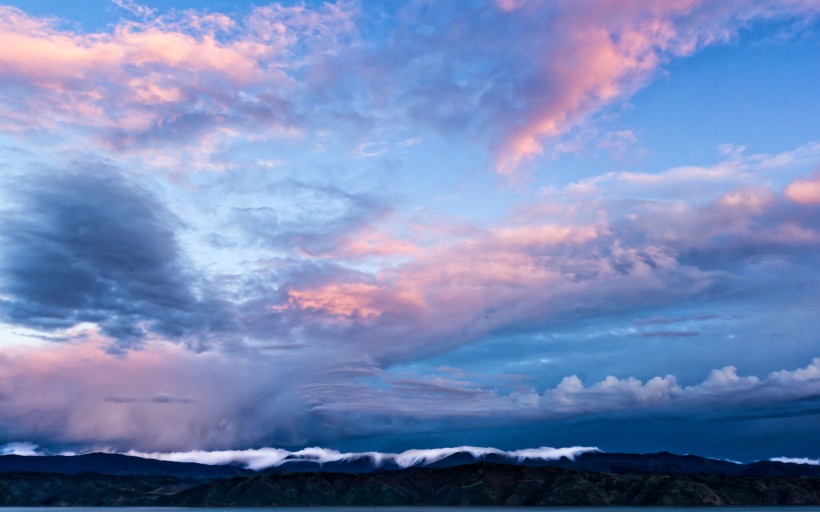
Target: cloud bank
[272, 457]
[796, 460]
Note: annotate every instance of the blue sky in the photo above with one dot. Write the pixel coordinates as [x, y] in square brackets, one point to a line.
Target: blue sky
[519, 223]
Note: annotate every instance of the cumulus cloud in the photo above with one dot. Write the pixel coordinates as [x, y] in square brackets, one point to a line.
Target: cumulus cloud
[724, 393]
[805, 191]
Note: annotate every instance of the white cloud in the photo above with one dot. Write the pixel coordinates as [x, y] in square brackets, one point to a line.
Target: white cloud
[796, 460]
[270, 457]
[26, 449]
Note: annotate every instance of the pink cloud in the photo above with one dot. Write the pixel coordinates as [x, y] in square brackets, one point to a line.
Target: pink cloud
[35, 50]
[545, 235]
[454, 293]
[161, 397]
[350, 301]
[533, 70]
[161, 73]
[805, 191]
[462, 283]
[749, 200]
[378, 243]
[598, 53]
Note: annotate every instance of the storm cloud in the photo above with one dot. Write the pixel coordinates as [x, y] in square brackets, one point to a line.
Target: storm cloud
[89, 245]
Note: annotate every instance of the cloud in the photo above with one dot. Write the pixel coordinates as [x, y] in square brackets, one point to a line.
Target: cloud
[113, 260]
[520, 75]
[76, 394]
[724, 394]
[25, 449]
[135, 8]
[315, 328]
[432, 291]
[805, 191]
[310, 219]
[796, 460]
[272, 457]
[179, 78]
[162, 397]
[515, 77]
[270, 310]
[167, 398]
[669, 334]
[737, 176]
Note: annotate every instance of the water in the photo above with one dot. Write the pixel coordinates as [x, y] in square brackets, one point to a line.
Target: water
[415, 509]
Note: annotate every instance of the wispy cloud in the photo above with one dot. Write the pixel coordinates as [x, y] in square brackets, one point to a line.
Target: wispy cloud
[498, 74]
[172, 79]
[193, 78]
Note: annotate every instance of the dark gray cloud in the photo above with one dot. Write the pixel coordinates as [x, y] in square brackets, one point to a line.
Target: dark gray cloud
[88, 245]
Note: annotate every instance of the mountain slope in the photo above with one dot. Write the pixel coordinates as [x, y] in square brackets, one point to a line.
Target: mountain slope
[595, 462]
[473, 484]
[460, 478]
[89, 490]
[492, 484]
[114, 464]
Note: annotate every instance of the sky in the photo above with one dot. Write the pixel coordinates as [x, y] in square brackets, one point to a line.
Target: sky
[382, 226]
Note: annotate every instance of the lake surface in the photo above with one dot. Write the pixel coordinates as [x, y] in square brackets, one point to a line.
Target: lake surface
[415, 509]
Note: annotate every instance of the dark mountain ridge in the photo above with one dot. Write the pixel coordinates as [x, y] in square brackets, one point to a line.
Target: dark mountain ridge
[485, 483]
[473, 484]
[462, 478]
[595, 462]
[115, 464]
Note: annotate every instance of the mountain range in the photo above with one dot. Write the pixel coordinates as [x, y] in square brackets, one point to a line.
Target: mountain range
[460, 478]
[596, 462]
